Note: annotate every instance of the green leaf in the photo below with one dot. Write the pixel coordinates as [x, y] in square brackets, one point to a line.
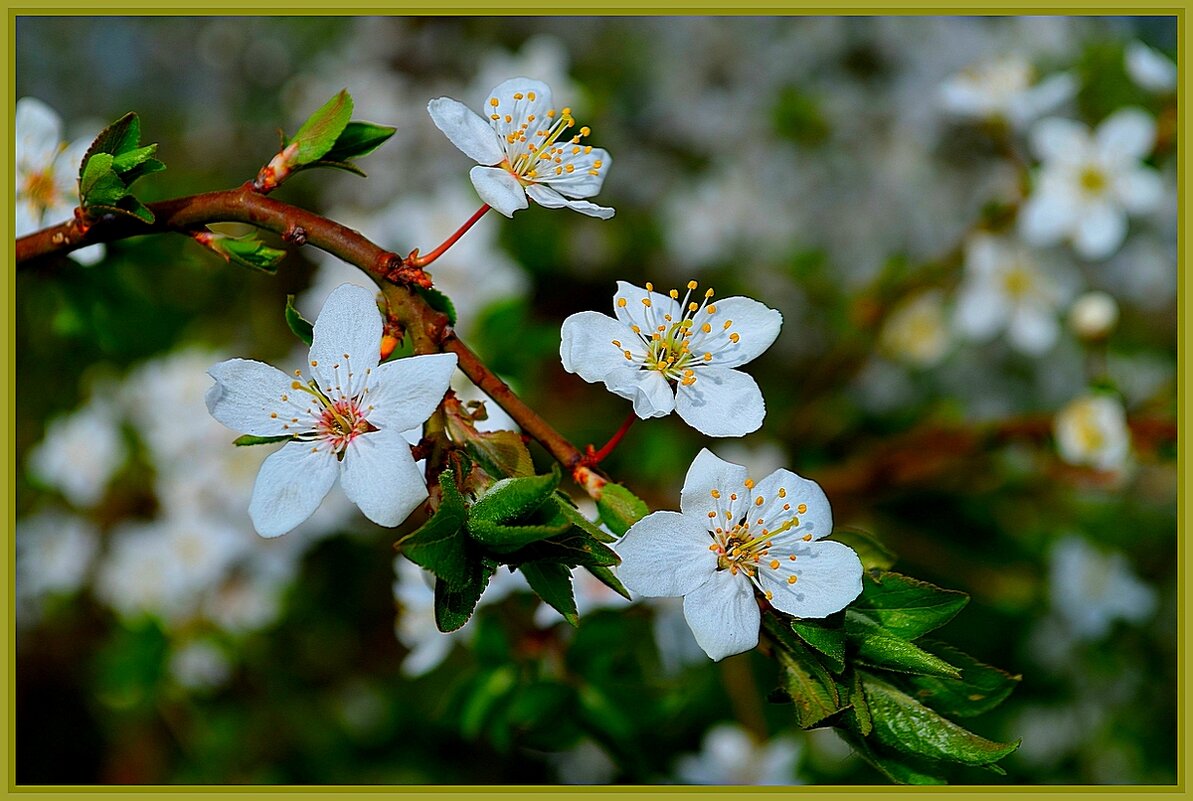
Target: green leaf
[486, 693]
[512, 498]
[249, 251]
[250, 439]
[804, 678]
[455, 601]
[609, 579]
[580, 521]
[501, 453]
[553, 583]
[147, 167]
[503, 538]
[905, 724]
[130, 205]
[877, 646]
[980, 688]
[440, 544]
[575, 549]
[826, 636]
[895, 769]
[358, 139]
[438, 301]
[299, 325]
[128, 160]
[97, 167]
[119, 137]
[319, 133]
[858, 706]
[619, 508]
[905, 606]
[868, 547]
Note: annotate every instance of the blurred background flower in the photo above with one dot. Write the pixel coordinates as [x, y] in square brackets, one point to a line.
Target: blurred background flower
[1000, 437]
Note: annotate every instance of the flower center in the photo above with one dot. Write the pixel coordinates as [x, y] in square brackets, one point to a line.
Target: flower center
[534, 143]
[1018, 282]
[1088, 431]
[40, 189]
[1093, 181]
[673, 345]
[340, 423]
[743, 545]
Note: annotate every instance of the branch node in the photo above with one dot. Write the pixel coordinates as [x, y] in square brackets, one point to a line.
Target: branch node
[295, 235]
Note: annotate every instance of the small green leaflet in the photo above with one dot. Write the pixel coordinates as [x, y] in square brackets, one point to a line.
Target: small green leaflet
[113, 162]
[299, 325]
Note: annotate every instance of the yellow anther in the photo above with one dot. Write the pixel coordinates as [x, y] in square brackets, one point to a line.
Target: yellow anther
[587, 149]
[708, 292]
[493, 102]
[294, 385]
[712, 309]
[691, 284]
[570, 168]
[802, 508]
[559, 170]
[758, 501]
[733, 496]
[594, 172]
[616, 343]
[508, 118]
[629, 356]
[749, 483]
[782, 492]
[285, 398]
[667, 317]
[786, 507]
[530, 95]
[774, 564]
[716, 493]
[712, 514]
[770, 596]
[567, 111]
[529, 119]
[494, 117]
[585, 131]
[674, 294]
[707, 357]
[807, 538]
[693, 306]
[792, 557]
[792, 579]
[518, 95]
[273, 415]
[635, 328]
[706, 328]
[649, 286]
[621, 302]
[646, 302]
[596, 165]
[314, 363]
[550, 112]
[735, 337]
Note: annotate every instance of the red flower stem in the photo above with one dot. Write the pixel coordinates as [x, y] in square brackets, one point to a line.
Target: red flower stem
[599, 456]
[423, 261]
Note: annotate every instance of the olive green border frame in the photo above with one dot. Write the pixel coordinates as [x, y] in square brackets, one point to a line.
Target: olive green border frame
[619, 8]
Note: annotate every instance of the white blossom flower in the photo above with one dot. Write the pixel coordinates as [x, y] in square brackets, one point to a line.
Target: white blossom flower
[1092, 589]
[732, 536]
[47, 173]
[916, 331]
[731, 755]
[200, 665]
[523, 149]
[1149, 68]
[665, 354]
[1093, 315]
[54, 551]
[1092, 431]
[1088, 184]
[80, 453]
[1005, 288]
[346, 420]
[1006, 89]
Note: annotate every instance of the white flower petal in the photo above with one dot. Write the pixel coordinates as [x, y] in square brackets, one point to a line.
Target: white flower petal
[755, 324]
[587, 345]
[378, 475]
[635, 312]
[404, 392]
[66, 170]
[650, 392]
[981, 310]
[248, 397]
[1100, 231]
[1046, 217]
[92, 254]
[665, 555]
[580, 182]
[723, 615]
[28, 217]
[721, 403]
[548, 198]
[38, 133]
[1033, 329]
[290, 486]
[1127, 134]
[1060, 139]
[501, 190]
[346, 345]
[466, 130]
[1045, 96]
[710, 472]
[828, 577]
[784, 488]
[1140, 190]
[1149, 68]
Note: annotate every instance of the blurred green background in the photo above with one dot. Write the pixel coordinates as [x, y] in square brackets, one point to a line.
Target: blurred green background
[815, 164]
